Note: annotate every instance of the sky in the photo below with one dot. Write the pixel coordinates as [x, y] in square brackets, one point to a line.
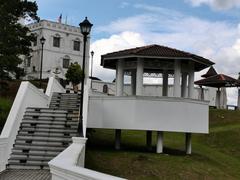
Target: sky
[209, 28]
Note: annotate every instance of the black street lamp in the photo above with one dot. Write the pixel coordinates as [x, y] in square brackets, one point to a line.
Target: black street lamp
[92, 53]
[85, 28]
[42, 41]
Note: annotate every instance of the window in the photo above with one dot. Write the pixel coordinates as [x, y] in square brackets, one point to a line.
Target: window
[76, 45]
[28, 62]
[66, 61]
[35, 40]
[34, 69]
[56, 41]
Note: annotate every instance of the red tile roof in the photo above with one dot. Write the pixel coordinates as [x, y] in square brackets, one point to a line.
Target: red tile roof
[211, 72]
[219, 80]
[155, 50]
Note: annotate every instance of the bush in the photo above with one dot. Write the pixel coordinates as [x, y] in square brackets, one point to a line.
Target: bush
[74, 74]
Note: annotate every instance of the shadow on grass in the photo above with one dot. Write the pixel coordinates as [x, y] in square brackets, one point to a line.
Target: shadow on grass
[108, 146]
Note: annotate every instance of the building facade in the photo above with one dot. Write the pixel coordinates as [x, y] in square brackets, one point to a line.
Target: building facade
[63, 46]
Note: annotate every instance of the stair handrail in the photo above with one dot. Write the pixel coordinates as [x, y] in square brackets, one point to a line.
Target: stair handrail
[27, 96]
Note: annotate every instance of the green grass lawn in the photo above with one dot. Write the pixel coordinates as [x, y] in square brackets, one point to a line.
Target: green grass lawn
[214, 156]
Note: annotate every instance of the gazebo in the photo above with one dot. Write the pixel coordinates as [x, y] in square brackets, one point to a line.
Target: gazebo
[212, 79]
[180, 113]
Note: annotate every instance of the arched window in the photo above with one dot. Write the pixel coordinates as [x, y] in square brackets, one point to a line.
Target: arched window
[56, 40]
[76, 44]
[66, 61]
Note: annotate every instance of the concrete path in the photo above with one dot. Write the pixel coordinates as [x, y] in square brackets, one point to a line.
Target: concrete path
[24, 174]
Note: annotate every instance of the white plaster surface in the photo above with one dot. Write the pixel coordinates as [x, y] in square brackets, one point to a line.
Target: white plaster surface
[148, 113]
[27, 96]
[66, 165]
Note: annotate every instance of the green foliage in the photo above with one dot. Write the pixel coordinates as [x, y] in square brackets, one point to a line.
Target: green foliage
[15, 39]
[5, 106]
[74, 73]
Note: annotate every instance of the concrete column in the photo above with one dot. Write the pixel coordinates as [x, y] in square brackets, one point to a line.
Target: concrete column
[217, 101]
[165, 83]
[118, 139]
[119, 78]
[184, 85]
[133, 82]
[149, 140]
[139, 79]
[177, 74]
[201, 93]
[191, 80]
[159, 142]
[188, 143]
[238, 103]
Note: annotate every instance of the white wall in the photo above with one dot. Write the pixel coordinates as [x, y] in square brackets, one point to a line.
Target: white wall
[69, 164]
[148, 113]
[27, 96]
[53, 56]
[156, 90]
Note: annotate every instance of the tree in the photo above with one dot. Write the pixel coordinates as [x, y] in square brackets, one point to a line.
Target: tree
[74, 75]
[15, 39]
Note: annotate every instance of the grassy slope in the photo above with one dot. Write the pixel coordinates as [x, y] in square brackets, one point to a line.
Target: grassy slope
[215, 156]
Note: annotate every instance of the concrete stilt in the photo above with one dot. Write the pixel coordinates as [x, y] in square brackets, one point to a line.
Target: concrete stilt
[117, 139]
[159, 142]
[149, 140]
[188, 143]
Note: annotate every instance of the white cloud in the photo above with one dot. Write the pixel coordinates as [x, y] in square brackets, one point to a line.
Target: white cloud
[217, 4]
[115, 42]
[216, 40]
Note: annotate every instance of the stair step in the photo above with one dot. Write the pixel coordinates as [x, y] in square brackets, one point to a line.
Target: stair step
[51, 126]
[29, 121]
[30, 158]
[52, 130]
[36, 149]
[47, 133]
[41, 143]
[32, 154]
[27, 166]
[42, 138]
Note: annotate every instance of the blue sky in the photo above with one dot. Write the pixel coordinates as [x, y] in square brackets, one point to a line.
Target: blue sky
[209, 28]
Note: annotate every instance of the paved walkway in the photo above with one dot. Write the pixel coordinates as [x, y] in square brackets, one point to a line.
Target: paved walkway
[23, 174]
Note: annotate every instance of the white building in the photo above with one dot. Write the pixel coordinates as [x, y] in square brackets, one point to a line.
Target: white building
[63, 46]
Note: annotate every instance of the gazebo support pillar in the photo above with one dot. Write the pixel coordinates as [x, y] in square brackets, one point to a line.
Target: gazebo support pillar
[133, 82]
[177, 76]
[218, 95]
[119, 92]
[191, 81]
[165, 83]
[149, 140]
[159, 142]
[238, 103]
[139, 79]
[118, 139]
[188, 143]
[184, 85]
[119, 78]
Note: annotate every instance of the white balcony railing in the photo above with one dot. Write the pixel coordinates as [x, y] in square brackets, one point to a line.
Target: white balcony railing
[148, 113]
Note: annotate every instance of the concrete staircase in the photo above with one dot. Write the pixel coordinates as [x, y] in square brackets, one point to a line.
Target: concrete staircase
[45, 132]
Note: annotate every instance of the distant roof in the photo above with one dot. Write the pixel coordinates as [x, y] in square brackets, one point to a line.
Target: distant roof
[157, 52]
[219, 80]
[211, 72]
